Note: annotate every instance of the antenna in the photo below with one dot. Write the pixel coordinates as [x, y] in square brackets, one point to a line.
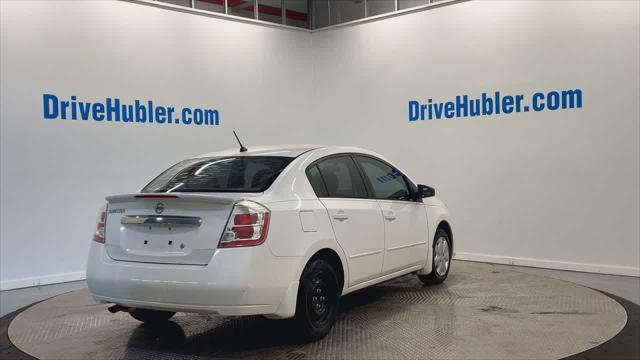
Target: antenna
[242, 148]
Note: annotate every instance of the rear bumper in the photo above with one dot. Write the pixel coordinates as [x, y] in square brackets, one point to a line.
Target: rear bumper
[237, 281]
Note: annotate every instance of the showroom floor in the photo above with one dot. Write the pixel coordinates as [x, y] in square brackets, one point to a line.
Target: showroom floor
[452, 321]
[482, 310]
[624, 286]
[627, 287]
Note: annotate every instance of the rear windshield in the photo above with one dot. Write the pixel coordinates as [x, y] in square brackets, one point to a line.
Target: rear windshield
[220, 174]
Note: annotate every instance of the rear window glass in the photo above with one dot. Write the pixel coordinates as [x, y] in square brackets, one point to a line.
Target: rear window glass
[220, 174]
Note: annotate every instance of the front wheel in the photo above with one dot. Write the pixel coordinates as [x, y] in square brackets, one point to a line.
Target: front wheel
[151, 316]
[318, 298]
[441, 260]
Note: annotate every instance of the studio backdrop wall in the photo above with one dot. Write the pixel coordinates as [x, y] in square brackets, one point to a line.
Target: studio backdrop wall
[552, 188]
[56, 173]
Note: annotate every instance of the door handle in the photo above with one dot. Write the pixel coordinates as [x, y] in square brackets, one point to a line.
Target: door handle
[390, 215]
[340, 216]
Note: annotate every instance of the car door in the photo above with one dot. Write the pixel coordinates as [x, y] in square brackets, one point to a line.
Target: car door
[356, 219]
[405, 219]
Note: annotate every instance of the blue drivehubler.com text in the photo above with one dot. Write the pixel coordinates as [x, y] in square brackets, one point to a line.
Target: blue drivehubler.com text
[115, 110]
[495, 104]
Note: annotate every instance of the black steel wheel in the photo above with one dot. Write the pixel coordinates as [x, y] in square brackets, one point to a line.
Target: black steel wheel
[318, 299]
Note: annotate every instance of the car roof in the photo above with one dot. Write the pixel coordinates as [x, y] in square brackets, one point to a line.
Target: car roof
[272, 150]
[288, 151]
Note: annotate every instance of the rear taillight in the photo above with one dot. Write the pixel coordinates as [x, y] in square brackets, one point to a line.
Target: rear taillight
[247, 225]
[98, 236]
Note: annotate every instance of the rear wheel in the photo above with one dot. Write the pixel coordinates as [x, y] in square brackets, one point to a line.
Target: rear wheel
[441, 260]
[151, 316]
[318, 298]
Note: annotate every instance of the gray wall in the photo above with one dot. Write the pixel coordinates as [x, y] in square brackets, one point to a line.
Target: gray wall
[554, 189]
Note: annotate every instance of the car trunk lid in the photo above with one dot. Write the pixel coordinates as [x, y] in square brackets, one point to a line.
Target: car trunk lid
[166, 228]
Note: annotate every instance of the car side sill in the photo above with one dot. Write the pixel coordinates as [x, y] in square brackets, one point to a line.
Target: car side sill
[381, 279]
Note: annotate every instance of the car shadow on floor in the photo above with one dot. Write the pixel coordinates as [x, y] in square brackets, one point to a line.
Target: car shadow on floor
[250, 336]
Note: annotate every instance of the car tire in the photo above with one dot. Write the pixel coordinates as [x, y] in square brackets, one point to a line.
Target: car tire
[151, 316]
[317, 304]
[441, 259]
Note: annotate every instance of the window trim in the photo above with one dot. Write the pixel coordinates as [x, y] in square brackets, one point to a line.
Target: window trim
[367, 195]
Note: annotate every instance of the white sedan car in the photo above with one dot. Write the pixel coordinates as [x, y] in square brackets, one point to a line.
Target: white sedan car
[282, 231]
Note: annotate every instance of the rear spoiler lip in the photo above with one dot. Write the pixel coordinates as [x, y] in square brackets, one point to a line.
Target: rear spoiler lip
[215, 199]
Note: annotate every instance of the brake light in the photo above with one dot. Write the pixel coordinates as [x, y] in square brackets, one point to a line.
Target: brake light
[98, 236]
[247, 225]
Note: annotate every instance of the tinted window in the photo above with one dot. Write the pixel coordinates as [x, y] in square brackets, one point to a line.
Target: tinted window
[341, 178]
[341, 11]
[387, 182]
[242, 8]
[313, 174]
[221, 174]
[270, 10]
[209, 5]
[297, 13]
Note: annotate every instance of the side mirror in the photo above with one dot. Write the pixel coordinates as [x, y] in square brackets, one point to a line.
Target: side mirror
[425, 191]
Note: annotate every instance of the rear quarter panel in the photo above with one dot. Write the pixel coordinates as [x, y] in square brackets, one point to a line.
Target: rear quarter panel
[288, 235]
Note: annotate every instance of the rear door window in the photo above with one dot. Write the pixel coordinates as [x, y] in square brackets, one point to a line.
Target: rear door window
[220, 174]
[342, 178]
